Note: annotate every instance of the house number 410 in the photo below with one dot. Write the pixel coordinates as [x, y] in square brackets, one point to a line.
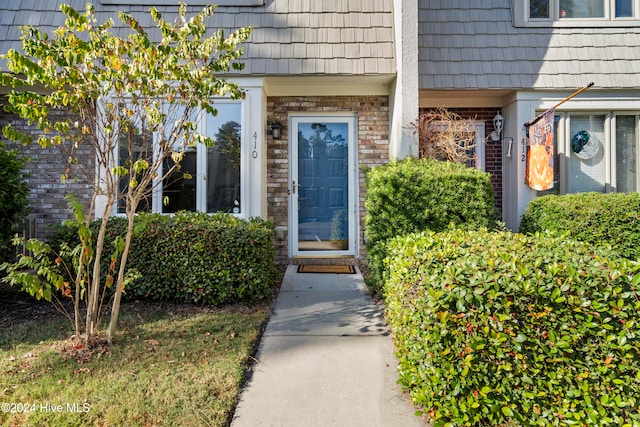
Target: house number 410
[254, 153]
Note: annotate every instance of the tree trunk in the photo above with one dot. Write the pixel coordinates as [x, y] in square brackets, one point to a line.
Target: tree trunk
[92, 319]
[76, 303]
[115, 310]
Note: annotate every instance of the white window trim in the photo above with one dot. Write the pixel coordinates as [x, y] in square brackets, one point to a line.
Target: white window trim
[481, 162]
[520, 14]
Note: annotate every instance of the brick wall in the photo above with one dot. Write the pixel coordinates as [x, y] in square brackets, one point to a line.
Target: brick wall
[45, 168]
[493, 149]
[373, 149]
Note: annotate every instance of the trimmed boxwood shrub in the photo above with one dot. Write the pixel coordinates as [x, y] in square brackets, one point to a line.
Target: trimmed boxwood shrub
[494, 328]
[601, 219]
[422, 194]
[196, 257]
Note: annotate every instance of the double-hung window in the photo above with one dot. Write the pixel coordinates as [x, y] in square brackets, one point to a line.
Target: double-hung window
[584, 13]
[596, 151]
[208, 179]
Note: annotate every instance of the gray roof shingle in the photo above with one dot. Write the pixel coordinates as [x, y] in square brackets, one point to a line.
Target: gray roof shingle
[476, 43]
[290, 37]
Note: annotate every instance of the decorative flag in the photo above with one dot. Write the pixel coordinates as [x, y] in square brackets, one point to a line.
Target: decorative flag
[539, 171]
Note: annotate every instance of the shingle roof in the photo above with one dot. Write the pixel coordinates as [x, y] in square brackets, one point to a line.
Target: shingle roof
[299, 37]
[473, 44]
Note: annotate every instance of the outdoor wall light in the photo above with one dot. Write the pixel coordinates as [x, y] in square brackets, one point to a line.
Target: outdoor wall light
[276, 130]
[498, 122]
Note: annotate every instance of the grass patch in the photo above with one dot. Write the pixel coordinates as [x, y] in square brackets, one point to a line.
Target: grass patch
[170, 365]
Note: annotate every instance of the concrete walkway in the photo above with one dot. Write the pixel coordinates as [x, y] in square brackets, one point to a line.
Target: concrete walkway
[325, 359]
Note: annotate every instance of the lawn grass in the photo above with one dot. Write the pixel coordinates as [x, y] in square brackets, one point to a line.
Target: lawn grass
[169, 365]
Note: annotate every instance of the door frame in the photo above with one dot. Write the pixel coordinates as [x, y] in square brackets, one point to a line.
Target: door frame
[351, 119]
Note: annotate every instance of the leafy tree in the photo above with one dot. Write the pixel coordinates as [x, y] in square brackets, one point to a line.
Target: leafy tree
[228, 142]
[122, 92]
[13, 198]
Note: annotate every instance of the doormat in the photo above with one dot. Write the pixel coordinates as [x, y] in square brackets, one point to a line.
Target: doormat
[336, 269]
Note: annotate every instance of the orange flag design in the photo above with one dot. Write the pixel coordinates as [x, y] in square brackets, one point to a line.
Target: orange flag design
[540, 152]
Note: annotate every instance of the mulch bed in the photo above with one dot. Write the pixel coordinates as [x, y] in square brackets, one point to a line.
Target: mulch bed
[17, 306]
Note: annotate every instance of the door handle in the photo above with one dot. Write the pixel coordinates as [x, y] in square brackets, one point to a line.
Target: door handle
[295, 187]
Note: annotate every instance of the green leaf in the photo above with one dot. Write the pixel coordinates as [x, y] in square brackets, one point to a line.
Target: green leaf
[140, 165]
[507, 411]
[120, 171]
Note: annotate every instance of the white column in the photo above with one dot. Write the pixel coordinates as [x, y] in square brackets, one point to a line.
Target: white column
[516, 195]
[405, 92]
[255, 147]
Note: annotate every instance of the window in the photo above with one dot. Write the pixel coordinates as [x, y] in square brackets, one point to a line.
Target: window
[191, 3]
[580, 13]
[208, 178]
[581, 9]
[466, 134]
[587, 170]
[627, 154]
[137, 138]
[596, 152]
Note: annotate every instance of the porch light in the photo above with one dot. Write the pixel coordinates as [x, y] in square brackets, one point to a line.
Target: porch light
[276, 130]
[498, 122]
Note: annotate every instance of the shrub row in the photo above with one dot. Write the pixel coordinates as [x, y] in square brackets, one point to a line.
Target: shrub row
[422, 194]
[494, 328]
[601, 219]
[195, 257]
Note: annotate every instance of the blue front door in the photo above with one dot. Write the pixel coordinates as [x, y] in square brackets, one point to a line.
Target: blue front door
[322, 186]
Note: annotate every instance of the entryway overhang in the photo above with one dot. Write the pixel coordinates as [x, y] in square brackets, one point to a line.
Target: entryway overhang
[335, 85]
[464, 98]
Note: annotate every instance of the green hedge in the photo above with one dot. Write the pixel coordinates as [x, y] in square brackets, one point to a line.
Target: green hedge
[494, 328]
[14, 203]
[196, 257]
[422, 194]
[601, 219]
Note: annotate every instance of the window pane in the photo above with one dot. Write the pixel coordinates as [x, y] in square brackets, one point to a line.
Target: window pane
[323, 188]
[587, 156]
[582, 8]
[223, 160]
[133, 145]
[626, 155]
[179, 182]
[179, 185]
[624, 8]
[538, 9]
